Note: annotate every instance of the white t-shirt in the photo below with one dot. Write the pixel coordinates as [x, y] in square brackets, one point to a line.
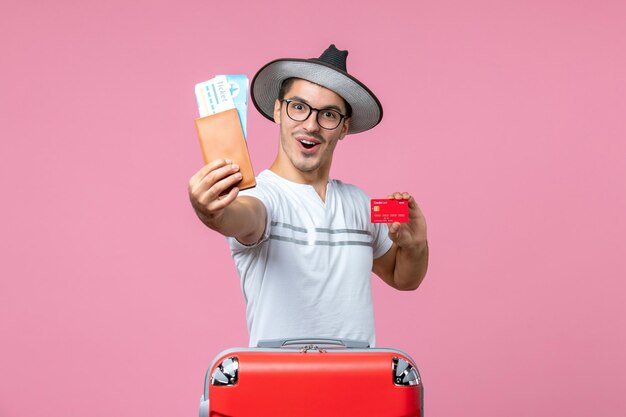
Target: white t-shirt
[310, 274]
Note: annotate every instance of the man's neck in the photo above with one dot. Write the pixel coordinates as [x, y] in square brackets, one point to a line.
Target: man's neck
[318, 178]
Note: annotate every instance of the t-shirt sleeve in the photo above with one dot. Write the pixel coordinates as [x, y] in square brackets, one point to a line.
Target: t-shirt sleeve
[260, 192]
[381, 241]
[380, 231]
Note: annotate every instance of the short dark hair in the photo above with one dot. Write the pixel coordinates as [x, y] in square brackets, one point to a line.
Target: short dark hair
[286, 85]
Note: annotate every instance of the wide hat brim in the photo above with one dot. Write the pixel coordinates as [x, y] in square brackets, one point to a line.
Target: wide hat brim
[367, 111]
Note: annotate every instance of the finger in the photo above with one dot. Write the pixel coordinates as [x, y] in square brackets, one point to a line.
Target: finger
[399, 195]
[217, 189]
[211, 166]
[212, 177]
[224, 201]
[394, 228]
[415, 211]
[196, 180]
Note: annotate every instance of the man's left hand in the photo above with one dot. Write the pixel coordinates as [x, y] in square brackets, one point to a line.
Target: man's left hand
[413, 233]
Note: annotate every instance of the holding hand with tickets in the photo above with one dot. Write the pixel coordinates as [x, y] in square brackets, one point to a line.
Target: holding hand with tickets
[213, 196]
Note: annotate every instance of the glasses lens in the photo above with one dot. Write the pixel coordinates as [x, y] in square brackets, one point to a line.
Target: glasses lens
[328, 119]
[298, 111]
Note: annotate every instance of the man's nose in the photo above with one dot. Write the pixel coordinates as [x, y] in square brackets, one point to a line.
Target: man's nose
[310, 123]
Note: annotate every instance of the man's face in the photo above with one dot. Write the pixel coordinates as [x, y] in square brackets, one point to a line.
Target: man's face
[306, 144]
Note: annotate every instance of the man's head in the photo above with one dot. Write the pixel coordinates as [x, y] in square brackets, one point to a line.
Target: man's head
[312, 120]
[328, 71]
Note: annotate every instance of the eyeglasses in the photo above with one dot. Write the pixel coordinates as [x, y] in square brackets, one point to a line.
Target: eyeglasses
[327, 118]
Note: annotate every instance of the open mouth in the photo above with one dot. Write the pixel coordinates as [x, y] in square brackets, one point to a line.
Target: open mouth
[307, 144]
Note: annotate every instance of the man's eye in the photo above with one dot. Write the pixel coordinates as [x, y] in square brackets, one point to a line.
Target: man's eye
[330, 115]
[298, 106]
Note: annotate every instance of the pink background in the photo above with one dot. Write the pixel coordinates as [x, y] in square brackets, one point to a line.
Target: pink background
[506, 120]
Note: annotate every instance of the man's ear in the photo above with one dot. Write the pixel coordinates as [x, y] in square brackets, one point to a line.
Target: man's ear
[344, 129]
[277, 106]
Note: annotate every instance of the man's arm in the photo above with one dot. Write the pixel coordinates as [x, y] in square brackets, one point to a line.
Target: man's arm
[404, 265]
[240, 217]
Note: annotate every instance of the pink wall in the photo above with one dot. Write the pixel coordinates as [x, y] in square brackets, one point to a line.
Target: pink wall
[506, 121]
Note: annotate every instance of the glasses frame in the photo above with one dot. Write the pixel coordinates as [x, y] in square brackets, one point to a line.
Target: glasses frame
[289, 101]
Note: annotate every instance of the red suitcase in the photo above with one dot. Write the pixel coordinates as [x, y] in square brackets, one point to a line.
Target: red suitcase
[312, 378]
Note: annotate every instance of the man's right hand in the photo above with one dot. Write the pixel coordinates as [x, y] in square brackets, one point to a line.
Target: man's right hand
[207, 186]
[243, 218]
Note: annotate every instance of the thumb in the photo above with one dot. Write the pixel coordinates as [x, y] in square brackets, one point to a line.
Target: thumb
[393, 230]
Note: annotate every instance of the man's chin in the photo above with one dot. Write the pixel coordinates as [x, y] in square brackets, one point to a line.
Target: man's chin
[307, 167]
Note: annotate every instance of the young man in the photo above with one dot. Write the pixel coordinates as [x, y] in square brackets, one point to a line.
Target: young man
[303, 243]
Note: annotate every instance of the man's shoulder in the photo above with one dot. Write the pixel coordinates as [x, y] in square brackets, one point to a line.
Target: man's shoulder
[270, 188]
[266, 180]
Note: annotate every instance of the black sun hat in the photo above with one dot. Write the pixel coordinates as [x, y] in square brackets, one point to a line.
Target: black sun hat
[329, 70]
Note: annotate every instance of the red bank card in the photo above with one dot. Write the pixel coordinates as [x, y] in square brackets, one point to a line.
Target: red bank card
[390, 210]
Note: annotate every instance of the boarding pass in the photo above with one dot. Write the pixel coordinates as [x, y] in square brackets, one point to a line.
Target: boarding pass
[224, 92]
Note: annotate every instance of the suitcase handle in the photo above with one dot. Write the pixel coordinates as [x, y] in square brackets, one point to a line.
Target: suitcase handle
[279, 343]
